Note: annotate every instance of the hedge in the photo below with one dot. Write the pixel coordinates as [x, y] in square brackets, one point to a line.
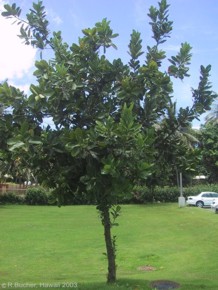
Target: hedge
[141, 194]
[11, 198]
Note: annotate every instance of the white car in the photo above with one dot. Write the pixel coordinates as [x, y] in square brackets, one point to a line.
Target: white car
[202, 199]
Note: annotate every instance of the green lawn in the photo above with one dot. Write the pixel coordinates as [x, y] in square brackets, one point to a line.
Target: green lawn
[45, 247]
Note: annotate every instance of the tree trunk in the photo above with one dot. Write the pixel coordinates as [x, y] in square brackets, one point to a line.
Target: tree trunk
[111, 276]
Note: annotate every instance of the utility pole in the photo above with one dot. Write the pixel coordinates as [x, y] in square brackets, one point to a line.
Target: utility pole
[181, 197]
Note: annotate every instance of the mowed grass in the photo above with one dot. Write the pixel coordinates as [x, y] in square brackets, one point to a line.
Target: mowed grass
[49, 247]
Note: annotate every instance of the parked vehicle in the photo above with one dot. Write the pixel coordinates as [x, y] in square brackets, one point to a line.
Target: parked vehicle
[202, 199]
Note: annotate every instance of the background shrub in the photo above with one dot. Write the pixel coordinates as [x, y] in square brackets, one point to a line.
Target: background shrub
[36, 196]
[140, 195]
[11, 198]
[143, 194]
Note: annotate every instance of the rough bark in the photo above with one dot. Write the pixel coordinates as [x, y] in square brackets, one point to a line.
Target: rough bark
[111, 276]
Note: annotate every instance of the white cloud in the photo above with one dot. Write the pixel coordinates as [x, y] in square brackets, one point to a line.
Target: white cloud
[16, 59]
[54, 17]
[57, 20]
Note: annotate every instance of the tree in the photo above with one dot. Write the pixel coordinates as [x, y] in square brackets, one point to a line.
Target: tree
[177, 153]
[106, 114]
[209, 150]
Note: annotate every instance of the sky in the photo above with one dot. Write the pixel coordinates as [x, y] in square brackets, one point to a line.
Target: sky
[194, 21]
